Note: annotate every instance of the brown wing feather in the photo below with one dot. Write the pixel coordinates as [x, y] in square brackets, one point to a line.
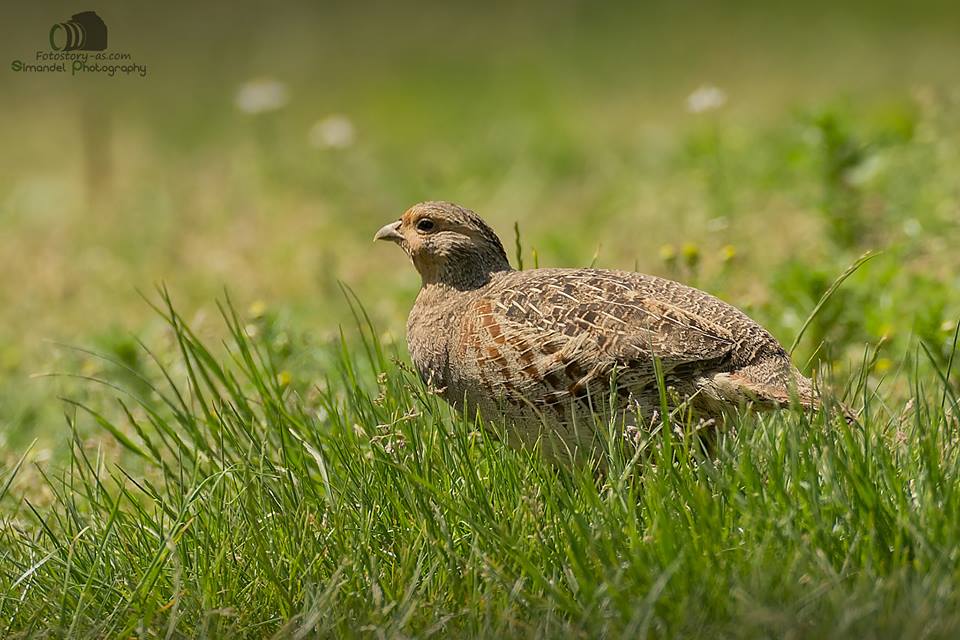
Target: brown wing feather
[548, 335]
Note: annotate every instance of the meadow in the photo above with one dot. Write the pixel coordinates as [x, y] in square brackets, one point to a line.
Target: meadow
[208, 422]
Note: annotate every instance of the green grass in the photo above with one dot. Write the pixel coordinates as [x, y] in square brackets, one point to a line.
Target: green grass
[272, 474]
[240, 505]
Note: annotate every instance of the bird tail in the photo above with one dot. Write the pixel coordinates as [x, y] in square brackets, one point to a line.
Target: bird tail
[772, 385]
[810, 398]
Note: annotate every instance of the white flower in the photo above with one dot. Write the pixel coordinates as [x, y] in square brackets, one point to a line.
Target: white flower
[867, 171]
[912, 227]
[261, 95]
[334, 132]
[706, 98]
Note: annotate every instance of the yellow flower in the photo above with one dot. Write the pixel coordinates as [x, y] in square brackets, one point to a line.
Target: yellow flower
[668, 253]
[90, 367]
[257, 309]
[691, 254]
[284, 378]
[883, 365]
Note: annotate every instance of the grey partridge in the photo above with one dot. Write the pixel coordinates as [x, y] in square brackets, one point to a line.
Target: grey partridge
[543, 351]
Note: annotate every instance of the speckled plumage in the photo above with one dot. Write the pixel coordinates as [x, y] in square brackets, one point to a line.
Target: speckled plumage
[542, 350]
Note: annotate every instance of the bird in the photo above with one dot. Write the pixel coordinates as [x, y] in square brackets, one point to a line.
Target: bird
[543, 351]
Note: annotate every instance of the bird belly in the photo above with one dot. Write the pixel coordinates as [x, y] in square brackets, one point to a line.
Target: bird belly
[571, 430]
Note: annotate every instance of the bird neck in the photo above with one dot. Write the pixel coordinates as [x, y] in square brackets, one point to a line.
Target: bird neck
[463, 270]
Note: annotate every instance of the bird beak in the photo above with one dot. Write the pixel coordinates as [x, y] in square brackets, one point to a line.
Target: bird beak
[389, 232]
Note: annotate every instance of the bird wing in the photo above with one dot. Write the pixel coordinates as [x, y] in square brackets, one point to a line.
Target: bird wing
[569, 330]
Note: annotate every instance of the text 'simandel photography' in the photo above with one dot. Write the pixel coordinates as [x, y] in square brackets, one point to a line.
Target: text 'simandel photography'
[78, 46]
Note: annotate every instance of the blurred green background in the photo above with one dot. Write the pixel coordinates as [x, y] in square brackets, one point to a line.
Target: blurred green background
[752, 149]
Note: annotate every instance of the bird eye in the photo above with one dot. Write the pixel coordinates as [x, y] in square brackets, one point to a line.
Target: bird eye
[425, 225]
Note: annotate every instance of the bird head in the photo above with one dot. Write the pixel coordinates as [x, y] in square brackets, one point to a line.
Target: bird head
[447, 244]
